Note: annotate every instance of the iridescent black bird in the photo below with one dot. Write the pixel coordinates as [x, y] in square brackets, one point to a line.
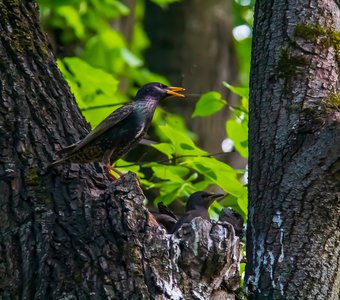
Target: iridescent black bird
[197, 206]
[120, 131]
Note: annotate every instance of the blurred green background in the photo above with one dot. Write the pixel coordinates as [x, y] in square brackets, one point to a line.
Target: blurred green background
[107, 49]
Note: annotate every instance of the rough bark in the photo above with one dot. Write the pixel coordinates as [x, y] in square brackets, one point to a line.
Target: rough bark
[191, 44]
[293, 249]
[70, 233]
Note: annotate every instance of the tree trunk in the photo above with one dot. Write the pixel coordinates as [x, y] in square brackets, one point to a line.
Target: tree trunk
[191, 44]
[70, 233]
[293, 249]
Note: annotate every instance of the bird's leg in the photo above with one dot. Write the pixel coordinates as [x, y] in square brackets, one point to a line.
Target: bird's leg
[109, 168]
[109, 175]
[116, 171]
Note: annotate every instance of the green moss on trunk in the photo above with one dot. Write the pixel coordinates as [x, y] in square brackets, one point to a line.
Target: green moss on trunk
[311, 32]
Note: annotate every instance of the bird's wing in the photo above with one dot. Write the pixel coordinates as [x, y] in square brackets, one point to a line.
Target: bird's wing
[166, 210]
[189, 216]
[113, 119]
[165, 220]
[186, 219]
[67, 149]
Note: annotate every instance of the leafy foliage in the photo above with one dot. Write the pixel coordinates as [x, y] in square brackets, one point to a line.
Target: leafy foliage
[243, 11]
[103, 58]
[164, 3]
[237, 125]
[208, 104]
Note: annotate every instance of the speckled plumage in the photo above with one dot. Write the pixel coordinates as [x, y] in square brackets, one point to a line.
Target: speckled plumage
[121, 130]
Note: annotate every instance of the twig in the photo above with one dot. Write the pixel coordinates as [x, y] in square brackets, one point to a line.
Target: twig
[232, 107]
[173, 159]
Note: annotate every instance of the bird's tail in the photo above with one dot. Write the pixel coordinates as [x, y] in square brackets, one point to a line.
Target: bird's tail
[56, 163]
[66, 150]
[63, 152]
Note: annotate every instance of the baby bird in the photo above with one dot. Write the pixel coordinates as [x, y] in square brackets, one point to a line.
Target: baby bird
[197, 206]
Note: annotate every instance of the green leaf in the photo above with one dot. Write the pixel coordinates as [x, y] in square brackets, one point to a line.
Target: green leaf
[218, 173]
[163, 3]
[166, 148]
[140, 40]
[242, 201]
[241, 91]
[91, 80]
[193, 177]
[245, 105]
[208, 104]
[91, 87]
[73, 19]
[237, 131]
[161, 117]
[53, 4]
[131, 59]
[110, 8]
[182, 143]
[186, 146]
[172, 173]
[133, 168]
[120, 7]
[202, 185]
[169, 191]
[105, 51]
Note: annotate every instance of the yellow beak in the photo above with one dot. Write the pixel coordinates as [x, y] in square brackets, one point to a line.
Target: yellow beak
[172, 90]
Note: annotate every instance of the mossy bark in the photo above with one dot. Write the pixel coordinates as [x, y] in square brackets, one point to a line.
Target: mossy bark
[70, 233]
[293, 249]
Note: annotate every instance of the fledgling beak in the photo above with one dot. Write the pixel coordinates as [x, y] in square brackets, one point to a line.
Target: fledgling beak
[172, 90]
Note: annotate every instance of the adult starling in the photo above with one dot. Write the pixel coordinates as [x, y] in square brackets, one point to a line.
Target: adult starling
[165, 217]
[120, 131]
[197, 206]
